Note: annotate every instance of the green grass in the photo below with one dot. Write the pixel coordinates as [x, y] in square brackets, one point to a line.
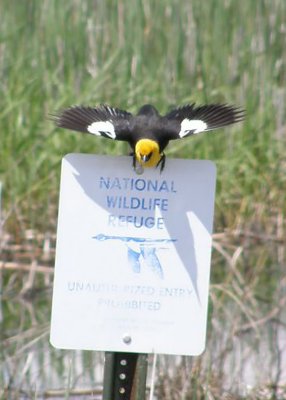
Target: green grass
[54, 54]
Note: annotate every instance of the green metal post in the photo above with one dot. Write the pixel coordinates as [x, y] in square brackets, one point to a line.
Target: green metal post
[108, 378]
[139, 387]
[125, 376]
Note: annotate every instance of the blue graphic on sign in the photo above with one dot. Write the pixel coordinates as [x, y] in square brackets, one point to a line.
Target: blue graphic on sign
[145, 250]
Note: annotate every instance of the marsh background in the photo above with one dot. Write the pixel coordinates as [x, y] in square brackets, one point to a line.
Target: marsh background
[54, 54]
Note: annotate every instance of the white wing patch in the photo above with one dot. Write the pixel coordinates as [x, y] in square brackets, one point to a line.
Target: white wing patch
[99, 128]
[189, 125]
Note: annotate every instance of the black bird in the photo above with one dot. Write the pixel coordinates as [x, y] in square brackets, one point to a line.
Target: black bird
[148, 133]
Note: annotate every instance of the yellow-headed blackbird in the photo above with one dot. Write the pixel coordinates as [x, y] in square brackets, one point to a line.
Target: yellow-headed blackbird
[148, 133]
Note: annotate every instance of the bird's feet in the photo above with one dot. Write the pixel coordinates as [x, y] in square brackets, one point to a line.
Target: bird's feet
[162, 161]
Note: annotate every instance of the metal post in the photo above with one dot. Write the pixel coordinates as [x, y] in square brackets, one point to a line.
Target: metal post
[125, 376]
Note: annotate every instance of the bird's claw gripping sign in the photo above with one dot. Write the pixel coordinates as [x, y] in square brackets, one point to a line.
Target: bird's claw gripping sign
[133, 256]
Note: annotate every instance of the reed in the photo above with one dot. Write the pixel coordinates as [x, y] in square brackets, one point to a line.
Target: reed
[54, 54]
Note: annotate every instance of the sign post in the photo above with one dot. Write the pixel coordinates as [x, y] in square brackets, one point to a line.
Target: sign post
[133, 261]
[124, 376]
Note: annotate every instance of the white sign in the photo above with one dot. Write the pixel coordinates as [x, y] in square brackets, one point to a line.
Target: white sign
[133, 256]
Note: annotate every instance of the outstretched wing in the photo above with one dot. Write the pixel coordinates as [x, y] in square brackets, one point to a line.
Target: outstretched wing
[103, 120]
[190, 120]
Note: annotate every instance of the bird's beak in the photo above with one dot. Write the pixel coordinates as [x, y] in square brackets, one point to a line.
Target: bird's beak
[146, 157]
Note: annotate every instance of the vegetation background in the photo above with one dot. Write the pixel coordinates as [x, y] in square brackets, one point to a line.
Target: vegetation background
[54, 54]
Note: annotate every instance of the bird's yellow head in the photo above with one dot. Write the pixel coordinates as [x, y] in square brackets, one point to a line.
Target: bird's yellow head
[147, 152]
